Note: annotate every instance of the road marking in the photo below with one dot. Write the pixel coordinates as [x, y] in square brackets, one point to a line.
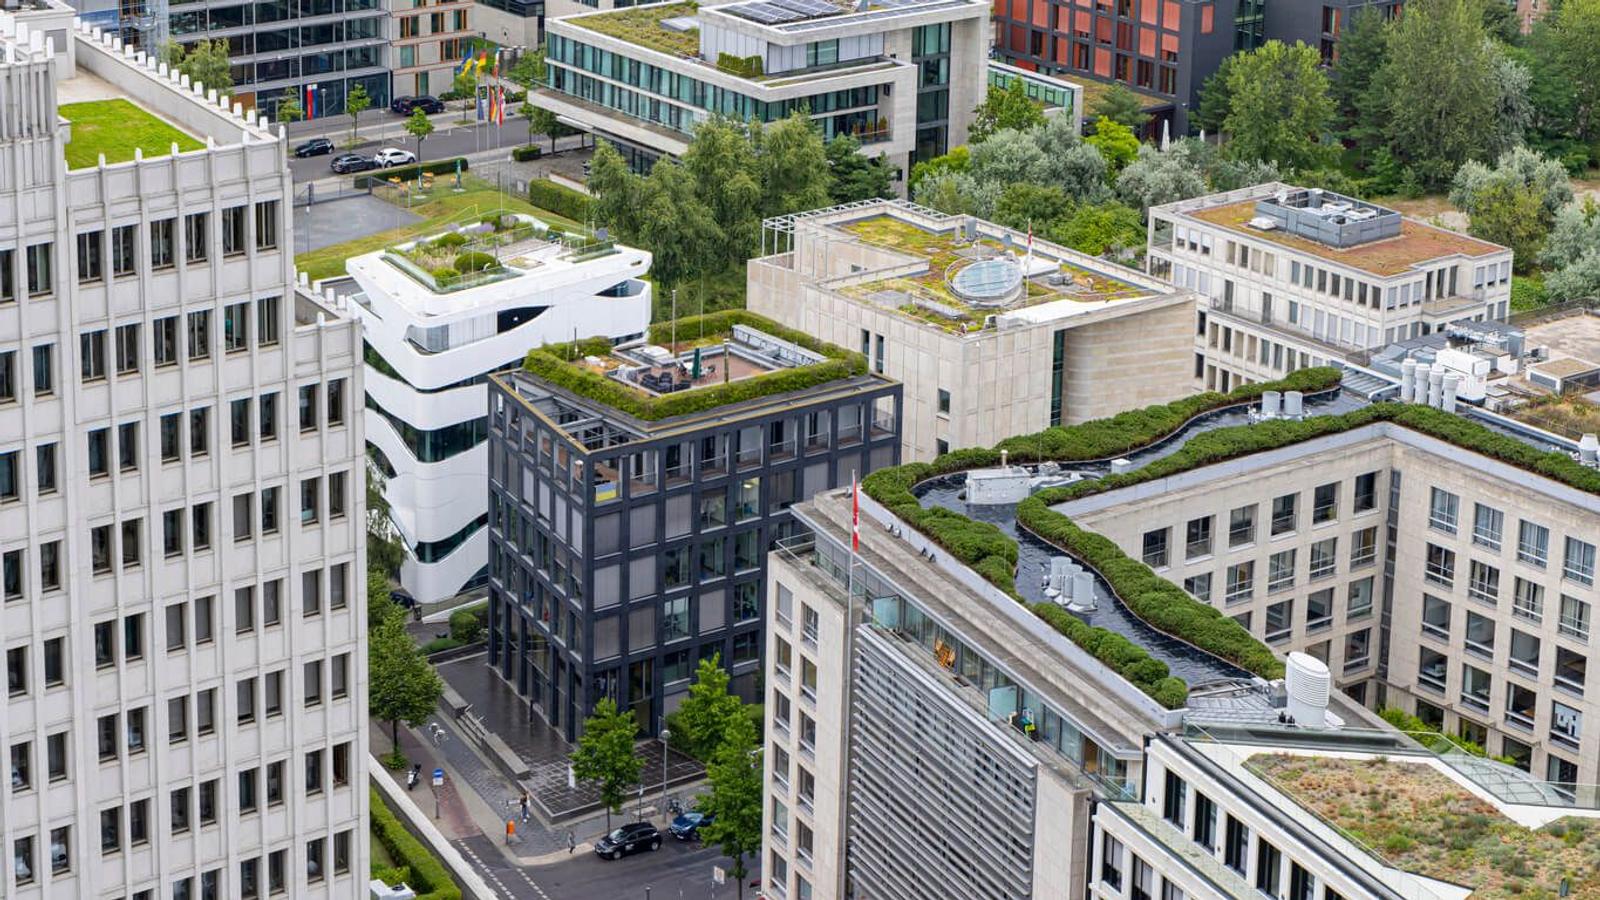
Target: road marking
[490, 875]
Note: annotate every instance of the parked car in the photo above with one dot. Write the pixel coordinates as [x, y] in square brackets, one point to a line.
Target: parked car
[352, 162]
[404, 105]
[394, 156]
[631, 838]
[686, 827]
[314, 147]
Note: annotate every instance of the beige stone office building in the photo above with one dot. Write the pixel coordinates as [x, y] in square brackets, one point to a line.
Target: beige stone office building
[1289, 278]
[989, 337]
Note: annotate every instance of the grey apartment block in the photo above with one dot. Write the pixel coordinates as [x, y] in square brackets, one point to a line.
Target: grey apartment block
[622, 552]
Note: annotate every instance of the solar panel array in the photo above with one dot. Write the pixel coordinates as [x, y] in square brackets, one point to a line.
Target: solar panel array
[774, 12]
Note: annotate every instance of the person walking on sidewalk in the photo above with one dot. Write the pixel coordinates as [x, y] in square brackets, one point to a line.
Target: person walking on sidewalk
[525, 811]
[572, 842]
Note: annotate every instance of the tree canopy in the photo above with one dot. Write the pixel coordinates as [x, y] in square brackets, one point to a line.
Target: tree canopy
[705, 715]
[855, 177]
[734, 775]
[1279, 109]
[1439, 87]
[604, 755]
[205, 62]
[1120, 104]
[401, 685]
[1008, 107]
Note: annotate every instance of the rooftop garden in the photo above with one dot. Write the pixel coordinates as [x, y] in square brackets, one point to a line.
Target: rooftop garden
[1570, 415]
[641, 25]
[487, 248]
[116, 128]
[1418, 820]
[557, 365]
[1164, 605]
[944, 249]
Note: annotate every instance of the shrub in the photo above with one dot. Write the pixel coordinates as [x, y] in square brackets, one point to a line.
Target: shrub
[465, 625]
[474, 261]
[523, 154]
[429, 877]
[743, 66]
[451, 240]
[561, 200]
[392, 875]
[440, 645]
[444, 274]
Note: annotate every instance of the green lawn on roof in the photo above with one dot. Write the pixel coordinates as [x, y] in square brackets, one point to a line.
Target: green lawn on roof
[116, 128]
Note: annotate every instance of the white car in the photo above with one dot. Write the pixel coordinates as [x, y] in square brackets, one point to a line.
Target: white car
[394, 156]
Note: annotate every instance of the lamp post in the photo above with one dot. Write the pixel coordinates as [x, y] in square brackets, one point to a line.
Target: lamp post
[666, 748]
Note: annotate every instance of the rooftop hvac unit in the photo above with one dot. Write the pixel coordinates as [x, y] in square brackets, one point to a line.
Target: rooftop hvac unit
[1307, 684]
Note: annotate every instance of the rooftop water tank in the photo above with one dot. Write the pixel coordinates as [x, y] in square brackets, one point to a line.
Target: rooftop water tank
[1307, 682]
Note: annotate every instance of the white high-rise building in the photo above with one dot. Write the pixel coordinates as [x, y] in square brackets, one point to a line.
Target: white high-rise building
[180, 497]
[433, 335]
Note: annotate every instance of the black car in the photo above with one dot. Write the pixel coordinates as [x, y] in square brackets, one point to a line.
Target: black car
[631, 838]
[687, 826]
[314, 147]
[351, 162]
[404, 105]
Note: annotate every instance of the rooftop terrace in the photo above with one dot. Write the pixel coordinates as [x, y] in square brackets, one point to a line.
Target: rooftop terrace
[642, 26]
[494, 246]
[966, 279]
[1416, 244]
[1416, 818]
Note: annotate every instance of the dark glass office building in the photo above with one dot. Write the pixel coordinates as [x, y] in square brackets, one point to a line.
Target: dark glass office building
[622, 551]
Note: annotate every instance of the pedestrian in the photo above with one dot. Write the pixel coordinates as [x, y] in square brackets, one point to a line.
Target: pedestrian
[572, 842]
[525, 811]
[511, 831]
[413, 776]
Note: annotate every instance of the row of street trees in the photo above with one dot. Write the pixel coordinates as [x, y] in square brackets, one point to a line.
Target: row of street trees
[711, 725]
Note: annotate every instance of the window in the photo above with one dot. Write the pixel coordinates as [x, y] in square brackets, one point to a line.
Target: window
[205, 712]
[1533, 544]
[199, 334]
[1480, 635]
[1241, 582]
[1357, 649]
[311, 592]
[199, 431]
[122, 252]
[164, 333]
[1475, 688]
[1319, 609]
[1280, 571]
[267, 409]
[1435, 617]
[50, 566]
[308, 408]
[177, 720]
[1527, 600]
[196, 237]
[1325, 503]
[127, 341]
[309, 489]
[1366, 493]
[1359, 599]
[1487, 525]
[1269, 862]
[1155, 547]
[1280, 621]
[8, 376]
[336, 410]
[341, 765]
[54, 662]
[92, 355]
[239, 422]
[1283, 513]
[1578, 561]
[339, 676]
[337, 585]
[314, 868]
[1324, 558]
[1111, 862]
[314, 772]
[1174, 797]
[267, 321]
[1205, 822]
[336, 495]
[17, 671]
[245, 695]
[1242, 526]
[272, 694]
[1236, 845]
[206, 802]
[267, 225]
[10, 476]
[179, 805]
[40, 258]
[161, 243]
[944, 402]
[44, 369]
[177, 633]
[110, 830]
[1364, 547]
[22, 860]
[236, 327]
[1442, 511]
[1574, 618]
[1197, 538]
[1199, 586]
[269, 510]
[233, 225]
[1441, 566]
[128, 446]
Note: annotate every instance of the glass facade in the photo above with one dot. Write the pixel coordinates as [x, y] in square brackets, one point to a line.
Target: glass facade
[930, 52]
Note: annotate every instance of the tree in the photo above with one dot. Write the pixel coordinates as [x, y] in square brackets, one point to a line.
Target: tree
[1510, 214]
[385, 550]
[1100, 228]
[1010, 157]
[541, 121]
[1158, 177]
[793, 165]
[957, 160]
[734, 775]
[1121, 105]
[1500, 22]
[1008, 107]
[1513, 107]
[1576, 232]
[1579, 281]
[1520, 167]
[1439, 88]
[1115, 141]
[675, 225]
[855, 177]
[614, 191]
[1572, 38]
[1025, 206]
[1279, 108]
[722, 166]
[1359, 53]
[529, 70]
[1215, 98]
[380, 601]
[419, 127]
[604, 755]
[289, 109]
[704, 717]
[355, 103]
[401, 686]
[205, 62]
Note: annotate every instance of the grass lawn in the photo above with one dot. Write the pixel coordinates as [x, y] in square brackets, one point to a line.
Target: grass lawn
[116, 128]
[444, 208]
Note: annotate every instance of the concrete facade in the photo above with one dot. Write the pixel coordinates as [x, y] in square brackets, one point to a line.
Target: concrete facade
[181, 523]
[1056, 363]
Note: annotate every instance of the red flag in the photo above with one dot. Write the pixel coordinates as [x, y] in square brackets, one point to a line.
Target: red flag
[855, 514]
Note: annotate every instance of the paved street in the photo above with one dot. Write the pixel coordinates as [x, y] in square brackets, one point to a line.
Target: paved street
[447, 140]
[676, 870]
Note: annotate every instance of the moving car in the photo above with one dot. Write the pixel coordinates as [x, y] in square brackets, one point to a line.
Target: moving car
[314, 147]
[631, 838]
[404, 105]
[686, 827]
[352, 162]
[394, 156]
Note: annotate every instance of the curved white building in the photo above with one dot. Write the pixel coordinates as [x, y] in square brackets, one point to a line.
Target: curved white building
[432, 337]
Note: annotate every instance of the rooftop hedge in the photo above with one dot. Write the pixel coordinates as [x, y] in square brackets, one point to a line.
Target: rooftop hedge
[993, 554]
[553, 363]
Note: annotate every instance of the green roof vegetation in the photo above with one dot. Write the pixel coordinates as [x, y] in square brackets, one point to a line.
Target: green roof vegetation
[555, 364]
[641, 25]
[993, 554]
[1416, 819]
[116, 128]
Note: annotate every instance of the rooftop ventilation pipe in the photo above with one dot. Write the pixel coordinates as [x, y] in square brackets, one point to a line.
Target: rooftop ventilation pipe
[1452, 383]
[1307, 682]
[1589, 450]
[1293, 405]
[1408, 381]
[1269, 404]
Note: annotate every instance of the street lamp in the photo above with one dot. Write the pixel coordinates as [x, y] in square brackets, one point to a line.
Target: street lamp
[666, 749]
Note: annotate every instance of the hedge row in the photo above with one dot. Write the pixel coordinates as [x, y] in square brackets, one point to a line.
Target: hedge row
[551, 363]
[429, 877]
[380, 177]
[561, 200]
[1432, 738]
[992, 554]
